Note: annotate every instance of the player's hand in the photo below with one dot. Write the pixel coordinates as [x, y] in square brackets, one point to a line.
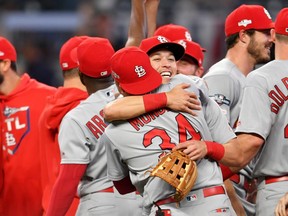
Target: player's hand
[179, 99]
[281, 208]
[195, 149]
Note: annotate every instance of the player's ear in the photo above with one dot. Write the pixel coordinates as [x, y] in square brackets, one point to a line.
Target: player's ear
[199, 72]
[243, 36]
[273, 35]
[6, 64]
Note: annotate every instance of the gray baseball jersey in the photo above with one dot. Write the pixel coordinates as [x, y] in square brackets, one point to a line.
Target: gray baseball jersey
[264, 112]
[134, 146]
[79, 133]
[226, 84]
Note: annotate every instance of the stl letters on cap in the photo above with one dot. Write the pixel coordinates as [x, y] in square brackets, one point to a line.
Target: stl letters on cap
[140, 71]
[162, 39]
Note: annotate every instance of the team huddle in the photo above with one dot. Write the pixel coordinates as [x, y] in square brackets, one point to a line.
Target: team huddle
[95, 145]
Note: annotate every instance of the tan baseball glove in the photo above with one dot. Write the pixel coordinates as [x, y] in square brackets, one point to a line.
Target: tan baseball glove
[177, 169]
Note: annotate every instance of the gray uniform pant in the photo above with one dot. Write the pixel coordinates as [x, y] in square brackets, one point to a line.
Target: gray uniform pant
[268, 196]
[250, 208]
[95, 204]
[197, 203]
[129, 204]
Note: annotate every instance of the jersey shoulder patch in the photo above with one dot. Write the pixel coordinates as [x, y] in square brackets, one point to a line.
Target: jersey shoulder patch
[220, 99]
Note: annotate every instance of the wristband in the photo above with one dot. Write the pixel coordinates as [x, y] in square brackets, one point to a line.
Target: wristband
[154, 101]
[215, 150]
[226, 172]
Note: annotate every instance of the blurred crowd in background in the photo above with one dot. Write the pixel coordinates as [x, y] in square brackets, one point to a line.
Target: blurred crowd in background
[39, 28]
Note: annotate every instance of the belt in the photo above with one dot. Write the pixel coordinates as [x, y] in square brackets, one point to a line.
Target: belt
[236, 178]
[273, 179]
[107, 190]
[207, 192]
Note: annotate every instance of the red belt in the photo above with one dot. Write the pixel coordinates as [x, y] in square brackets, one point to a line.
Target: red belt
[236, 178]
[272, 179]
[107, 190]
[207, 192]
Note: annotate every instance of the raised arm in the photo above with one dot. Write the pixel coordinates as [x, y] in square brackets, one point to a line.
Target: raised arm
[151, 7]
[177, 99]
[136, 31]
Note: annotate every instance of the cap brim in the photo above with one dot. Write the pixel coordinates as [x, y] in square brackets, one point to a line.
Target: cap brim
[177, 49]
[143, 86]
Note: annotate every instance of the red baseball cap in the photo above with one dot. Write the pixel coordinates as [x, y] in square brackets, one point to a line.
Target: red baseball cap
[68, 53]
[150, 44]
[248, 17]
[94, 56]
[132, 69]
[193, 50]
[7, 50]
[173, 32]
[281, 24]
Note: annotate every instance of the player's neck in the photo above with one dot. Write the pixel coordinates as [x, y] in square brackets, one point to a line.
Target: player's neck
[74, 83]
[242, 60]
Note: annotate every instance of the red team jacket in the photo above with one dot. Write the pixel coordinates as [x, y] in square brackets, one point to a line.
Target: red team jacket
[57, 106]
[21, 191]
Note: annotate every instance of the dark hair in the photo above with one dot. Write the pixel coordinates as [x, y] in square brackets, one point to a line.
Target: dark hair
[233, 39]
[13, 65]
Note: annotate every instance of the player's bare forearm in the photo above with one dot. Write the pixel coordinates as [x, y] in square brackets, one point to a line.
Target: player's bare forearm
[237, 206]
[229, 154]
[136, 32]
[124, 108]
[282, 206]
[151, 7]
[235, 154]
[132, 106]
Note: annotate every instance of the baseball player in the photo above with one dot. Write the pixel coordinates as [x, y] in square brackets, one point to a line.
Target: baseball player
[22, 100]
[130, 156]
[65, 98]
[248, 41]
[192, 61]
[140, 12]
[163, 55]
[83, 159]
[262, 127]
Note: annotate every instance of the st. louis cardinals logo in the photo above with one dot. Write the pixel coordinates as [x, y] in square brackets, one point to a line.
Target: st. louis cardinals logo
[162, 39]
[183, 43]
[188, 36]
[140, 71]
[16, 127]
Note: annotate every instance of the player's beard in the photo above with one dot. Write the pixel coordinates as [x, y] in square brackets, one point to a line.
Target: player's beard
[256, 51]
